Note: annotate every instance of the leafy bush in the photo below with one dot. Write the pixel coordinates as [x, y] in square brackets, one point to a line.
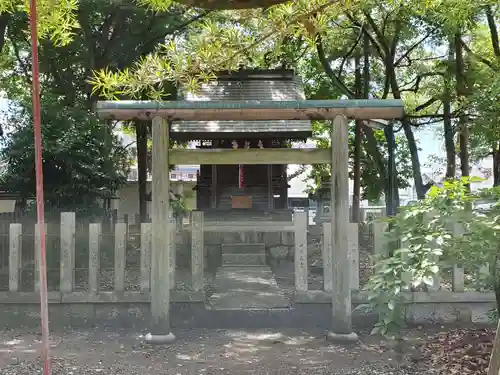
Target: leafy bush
[448, 227]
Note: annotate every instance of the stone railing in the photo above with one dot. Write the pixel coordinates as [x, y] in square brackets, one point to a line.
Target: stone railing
[448, 288]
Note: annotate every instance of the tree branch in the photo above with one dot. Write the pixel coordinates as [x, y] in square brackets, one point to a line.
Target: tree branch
[378, 33]
[176, 29]
[427, 103]
[105, 30]
[395, 39]
[410, 50]
[351, 50]
[418, 80]
[329, 71]
[373, 41]
[476, 56]
[297, 173]
[25, 70]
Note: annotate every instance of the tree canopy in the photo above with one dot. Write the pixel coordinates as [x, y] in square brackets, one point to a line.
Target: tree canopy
[421, 52]
[82, 160]
[441, 57]
[111, 34]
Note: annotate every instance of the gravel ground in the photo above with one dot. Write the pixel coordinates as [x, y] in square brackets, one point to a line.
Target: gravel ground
[199, 352]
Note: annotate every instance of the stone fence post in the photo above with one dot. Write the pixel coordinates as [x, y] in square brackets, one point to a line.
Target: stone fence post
[300, 258]
[197, 250]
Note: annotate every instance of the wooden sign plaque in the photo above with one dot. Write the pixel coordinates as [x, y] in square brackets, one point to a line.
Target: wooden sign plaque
[241, 202]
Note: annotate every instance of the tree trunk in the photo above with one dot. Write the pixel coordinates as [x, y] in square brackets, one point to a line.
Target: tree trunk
[496, 164]
[420, 187]
[412, 143]
[371, 145]
[461, 89]
[449, 134]
[141, 132]
[4, 20]
[495, 43]
[356, 193]
[387, 52]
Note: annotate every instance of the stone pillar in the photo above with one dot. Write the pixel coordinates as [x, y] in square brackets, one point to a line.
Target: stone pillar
[327, 255]
[173, 250]
[319, 212]
[197, 251]
[339, 211]
[15, 255]
[95, 232]
[300, 255]
[161, 244]
[68, 227]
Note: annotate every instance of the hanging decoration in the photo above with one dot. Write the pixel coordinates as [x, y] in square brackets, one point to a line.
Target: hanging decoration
[240, 167]
[241, 172]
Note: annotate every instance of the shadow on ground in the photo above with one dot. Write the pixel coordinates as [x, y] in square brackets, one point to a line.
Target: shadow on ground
[199, 352]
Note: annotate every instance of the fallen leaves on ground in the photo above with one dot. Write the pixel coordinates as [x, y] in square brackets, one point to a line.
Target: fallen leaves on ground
[459, 351]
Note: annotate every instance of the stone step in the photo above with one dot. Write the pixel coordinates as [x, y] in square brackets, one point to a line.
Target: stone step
[247, 288]
[244, 248]
[243, 259]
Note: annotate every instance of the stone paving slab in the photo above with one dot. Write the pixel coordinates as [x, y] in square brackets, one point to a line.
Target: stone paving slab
[238, 288]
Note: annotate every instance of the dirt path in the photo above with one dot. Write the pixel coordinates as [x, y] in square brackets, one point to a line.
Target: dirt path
[198, 352]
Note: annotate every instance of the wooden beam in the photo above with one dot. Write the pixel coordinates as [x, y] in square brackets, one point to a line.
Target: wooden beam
[252, 110]
[250, 156]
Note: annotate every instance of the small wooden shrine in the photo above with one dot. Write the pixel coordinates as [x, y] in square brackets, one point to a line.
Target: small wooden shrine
[224, 189]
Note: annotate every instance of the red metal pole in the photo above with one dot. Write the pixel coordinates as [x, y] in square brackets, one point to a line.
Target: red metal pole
[44, 308]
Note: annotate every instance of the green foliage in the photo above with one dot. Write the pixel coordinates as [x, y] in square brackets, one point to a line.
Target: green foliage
[406, 61]
[178, 205]
[226, 40]
[434, 234]
[82, 160]
[55, 18]
[372, 182]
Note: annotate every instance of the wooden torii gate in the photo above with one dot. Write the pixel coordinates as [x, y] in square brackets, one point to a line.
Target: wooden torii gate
[162, 114]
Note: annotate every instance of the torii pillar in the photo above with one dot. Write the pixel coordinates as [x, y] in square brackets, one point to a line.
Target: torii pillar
[339, 221]
[161, 245]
